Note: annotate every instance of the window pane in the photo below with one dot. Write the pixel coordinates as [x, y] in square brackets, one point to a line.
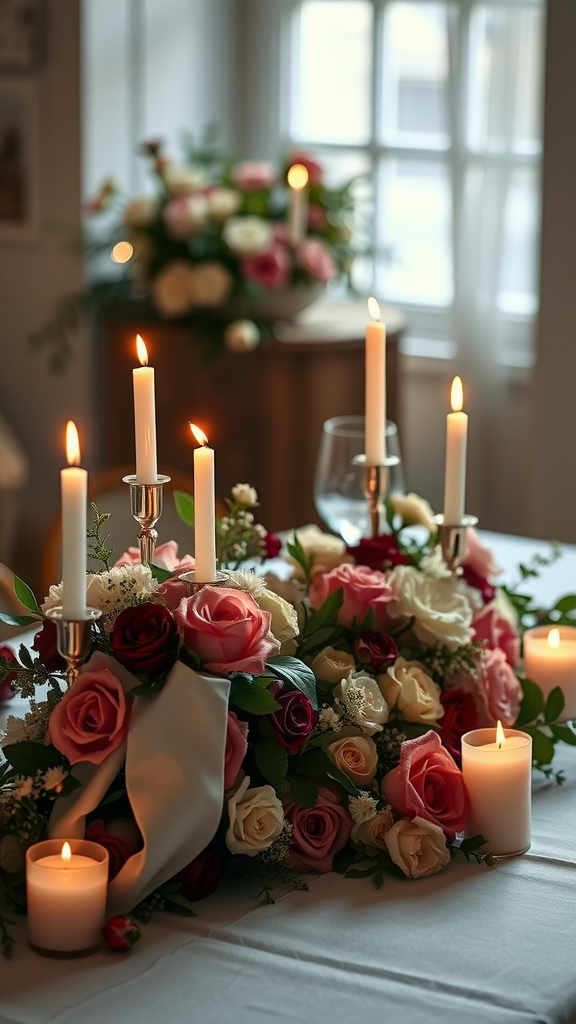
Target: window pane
[416, 219]
[332, 80]
[518, 269]
[414, 90]
[505, 79]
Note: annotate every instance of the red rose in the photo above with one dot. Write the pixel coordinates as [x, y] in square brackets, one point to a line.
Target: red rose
[460, 716]
[473, 579]
[381, 552]
[145, 638]
[92, 718]
[295, 720]
[427, 783]
[272, 545]
[45, 643]
[200, 878]
[6, 691]
[375, 649]
[271, 268]
[320, 832]
[121, 933]
[121, 838]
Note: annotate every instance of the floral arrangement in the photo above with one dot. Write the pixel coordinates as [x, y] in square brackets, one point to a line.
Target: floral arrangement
[212, 242]
[343, 721]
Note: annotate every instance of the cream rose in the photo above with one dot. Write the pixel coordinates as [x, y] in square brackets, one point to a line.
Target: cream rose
[356, 756]
[370, 835]
[407, 686]
[223, 203]
[171, 289]
[363, 704]
[244, 494]
[418, 847]
[413, 509]
[180, 180]
[247, 236]
[332, 666]
[209, 284]
[329, 551]
[256, 819]
[441, 613]
[283, 618]
[140, 212]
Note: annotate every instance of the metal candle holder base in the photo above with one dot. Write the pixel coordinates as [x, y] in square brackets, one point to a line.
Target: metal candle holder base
[73, 638]
[375, 487]
[146, 503]
[453, 539]
[193, 585]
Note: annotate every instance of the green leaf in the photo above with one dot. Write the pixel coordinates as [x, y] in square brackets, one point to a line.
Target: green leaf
[343, 860]
[297, 674]
[253, 697]
[297, 552]
[326, 614]
[315, 761]
[532, 703]
[341, 778]
[360, 872]
[25, 596]
[184, 503]
[566, 604]
[368, 620]
[303, 792]
[17, 620]
[272, 760]
[554, 705]
[564, 733]
[472, 843]
[179, 901]
[28, 757]
[542, 745]
[159, 573]
[378, 880]
[25, 657]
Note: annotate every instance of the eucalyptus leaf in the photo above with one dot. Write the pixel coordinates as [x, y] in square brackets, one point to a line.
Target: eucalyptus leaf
[25, 596]
[184, 503]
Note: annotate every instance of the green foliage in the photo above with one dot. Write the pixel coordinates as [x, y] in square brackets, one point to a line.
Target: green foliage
[296, 551]
[184, 503]
[272, 760]
[25, 596]
[297, 675]
[28, 757]
[251, 694]
[98, 549]
[470, 846]
[539, 718]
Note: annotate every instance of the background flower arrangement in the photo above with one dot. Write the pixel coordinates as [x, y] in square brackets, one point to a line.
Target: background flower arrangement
[213, 241]
[345, 715]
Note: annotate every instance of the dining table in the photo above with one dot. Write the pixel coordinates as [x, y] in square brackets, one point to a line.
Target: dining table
[470, 945]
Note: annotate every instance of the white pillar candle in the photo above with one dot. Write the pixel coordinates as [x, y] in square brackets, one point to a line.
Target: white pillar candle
[550, 660]
[66, 895]
[375, 388]
[74, 489]
[204, 509]
[456, 439]
[144, 418]
[298, 205]
[498, 775]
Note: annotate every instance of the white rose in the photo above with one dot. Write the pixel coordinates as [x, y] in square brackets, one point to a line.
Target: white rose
[364, 705]
[370, 835]
[140, 212]
[247, 236]
[256, 819]
[407, 686]
[223, 203]
[332, 666]
[241, 336]
[329, 551]
[185, 214]
[356, 756]
[441, 613]
[209, 284]
[284, 618]
[418, 847]
[413, 509]
[244, 494]
[171, 289]
[180, 180]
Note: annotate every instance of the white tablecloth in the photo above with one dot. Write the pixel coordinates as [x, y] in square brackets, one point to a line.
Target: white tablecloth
[469, 946]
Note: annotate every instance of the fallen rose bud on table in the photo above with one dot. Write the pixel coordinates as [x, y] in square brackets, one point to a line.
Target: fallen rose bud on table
[121, 933]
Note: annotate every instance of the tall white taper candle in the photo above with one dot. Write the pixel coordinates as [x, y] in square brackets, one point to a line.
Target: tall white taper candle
[74, 489]
[375, 388]
[456, 441]
[204, 509]
[144, 418]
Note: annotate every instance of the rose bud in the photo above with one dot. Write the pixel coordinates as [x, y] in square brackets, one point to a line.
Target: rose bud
[272, 545]
[121, 933]
[375, 649]
[295, 719]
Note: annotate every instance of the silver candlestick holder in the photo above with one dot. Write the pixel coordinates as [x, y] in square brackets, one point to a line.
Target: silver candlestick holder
[73, 638]
[146, 504]
[194, 586]
[453, 539]
[375, 487]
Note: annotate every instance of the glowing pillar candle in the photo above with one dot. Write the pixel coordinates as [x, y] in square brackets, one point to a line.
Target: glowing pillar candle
[204, 509]
[66, 895]
[74, 488]
[298, 207]
[375, 388]
[144, 418]
[550, 660]
[497, 769]
[456, 439]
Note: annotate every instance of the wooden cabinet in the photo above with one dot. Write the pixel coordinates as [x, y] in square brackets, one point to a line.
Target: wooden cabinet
[262, 411]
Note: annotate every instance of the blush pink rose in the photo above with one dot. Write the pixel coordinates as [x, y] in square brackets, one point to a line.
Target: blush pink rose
[499, 692]
[92, 718]
[428, 783]
[236, 747]
[227, 630]
[271, 268]
[491, 625]
[250, 175]
[314, 257]
[478, 557]
[320, 832]
[363, 589]
[166, 556]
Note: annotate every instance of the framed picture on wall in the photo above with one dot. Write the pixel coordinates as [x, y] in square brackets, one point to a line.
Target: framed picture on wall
[22, 35]
[18, 159]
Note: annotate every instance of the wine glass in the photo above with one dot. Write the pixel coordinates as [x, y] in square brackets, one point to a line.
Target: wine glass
[339, 482]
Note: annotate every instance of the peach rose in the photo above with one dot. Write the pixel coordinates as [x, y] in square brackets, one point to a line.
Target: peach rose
[92, 718]
[332, 666]
[427, 783]
[356, 756]
[227, 630]
[364, 589]
[418, 847]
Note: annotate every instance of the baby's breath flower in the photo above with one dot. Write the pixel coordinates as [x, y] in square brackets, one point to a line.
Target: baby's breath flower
[280, 848]
[329, 719]
[53, 778]
[362, 807]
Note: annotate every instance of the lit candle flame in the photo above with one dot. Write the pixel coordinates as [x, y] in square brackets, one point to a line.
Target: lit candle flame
[554, 638]
[142, 351]
[374, 308]
[66, 852]
[199, 434]
[72, 444]
[297, 176]
[500, 737]
[457, 395]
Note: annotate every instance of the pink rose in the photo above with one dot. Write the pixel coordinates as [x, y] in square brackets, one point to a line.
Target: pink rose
[236, 747]
[92, 718]
[427, 783]
[271, 268]
[314, 257]
[320, 832]
[251, 175]
[499, 692]
[478, 557]
[184, 214]
[227, 630]
[363, 589]
[491, 625]
[166, 556]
